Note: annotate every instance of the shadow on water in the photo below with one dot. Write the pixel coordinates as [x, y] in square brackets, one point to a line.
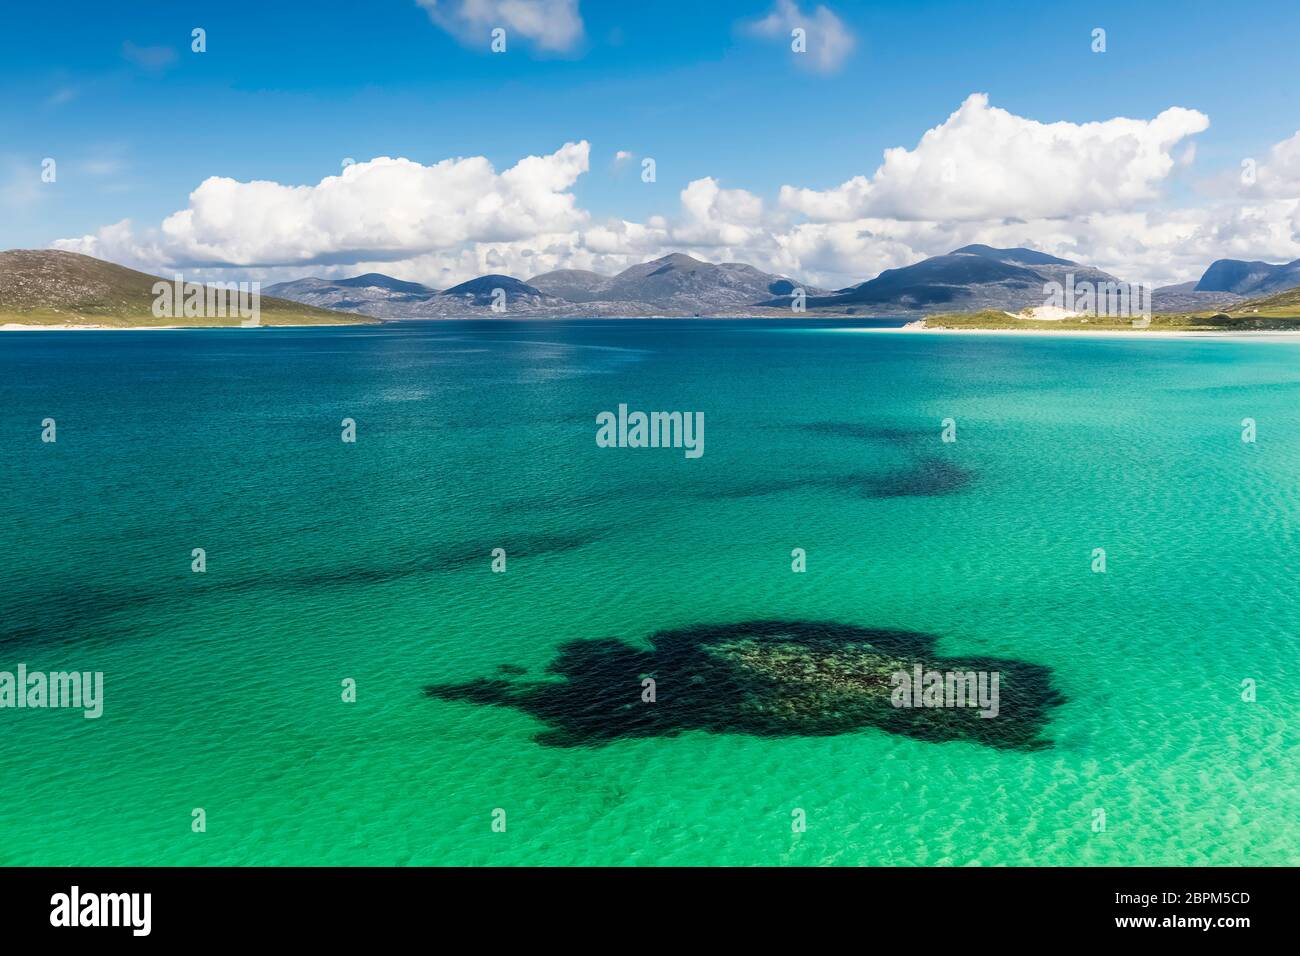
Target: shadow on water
[763, 678]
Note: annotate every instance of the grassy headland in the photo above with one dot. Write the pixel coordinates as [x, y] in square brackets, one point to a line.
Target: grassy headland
[1275, 313]
[55, 289]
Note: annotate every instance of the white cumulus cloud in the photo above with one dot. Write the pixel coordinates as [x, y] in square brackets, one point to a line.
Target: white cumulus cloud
[828, 42]
[383, 209]
[986, 163]
[553, 25]
[1277, 177]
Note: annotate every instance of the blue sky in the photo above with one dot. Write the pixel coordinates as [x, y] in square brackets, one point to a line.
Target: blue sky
[285, 91]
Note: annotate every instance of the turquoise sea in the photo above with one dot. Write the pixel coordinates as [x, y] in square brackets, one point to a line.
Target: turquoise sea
[372, 561]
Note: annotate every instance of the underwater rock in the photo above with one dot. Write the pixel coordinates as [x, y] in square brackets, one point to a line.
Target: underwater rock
[770, 678]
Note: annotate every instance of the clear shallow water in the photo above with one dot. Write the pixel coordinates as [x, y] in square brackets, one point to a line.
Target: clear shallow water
[371, 561]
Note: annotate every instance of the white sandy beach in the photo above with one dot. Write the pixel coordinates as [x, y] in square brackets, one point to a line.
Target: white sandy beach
[919, 328]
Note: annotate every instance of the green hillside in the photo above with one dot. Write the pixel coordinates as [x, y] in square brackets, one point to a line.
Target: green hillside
[54, 288]
[1281, 305]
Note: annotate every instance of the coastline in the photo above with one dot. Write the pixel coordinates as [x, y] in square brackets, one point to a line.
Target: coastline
[919, 328]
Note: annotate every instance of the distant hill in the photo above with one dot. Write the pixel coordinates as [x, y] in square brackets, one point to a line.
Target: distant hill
[575, 285]
[372, 294]
[54, 288]
[1249, 278]
[972, 278]
[941, 280]
[376, 280]
[1279, 305]
[485, 290]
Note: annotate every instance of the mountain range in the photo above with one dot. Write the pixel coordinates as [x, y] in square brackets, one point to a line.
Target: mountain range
[49, 287]
[675, 285]
[972, 278]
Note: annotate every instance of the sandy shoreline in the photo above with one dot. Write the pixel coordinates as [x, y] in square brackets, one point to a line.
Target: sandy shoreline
[916, 328]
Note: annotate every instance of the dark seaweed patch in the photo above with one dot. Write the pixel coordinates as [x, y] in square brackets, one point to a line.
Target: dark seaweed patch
[440, 559]
[72, 611]
[925, 476]
[88, 610]
[886, 434]
[763, 678]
